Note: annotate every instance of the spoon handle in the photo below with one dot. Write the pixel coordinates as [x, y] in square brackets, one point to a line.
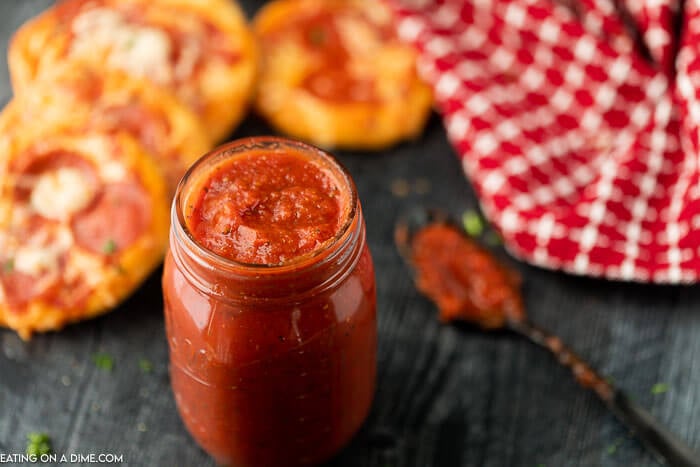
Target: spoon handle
[667, 448]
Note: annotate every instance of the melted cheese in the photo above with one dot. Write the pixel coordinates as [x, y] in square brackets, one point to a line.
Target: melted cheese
[99, 148]
[138, 50]
[358, 37]
[113, 172]
[34, 261]
[86, 266]
[189, 55]
[61, 193]
[36, 257]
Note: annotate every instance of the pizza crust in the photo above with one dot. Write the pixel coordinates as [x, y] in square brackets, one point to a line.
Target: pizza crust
[334, 74]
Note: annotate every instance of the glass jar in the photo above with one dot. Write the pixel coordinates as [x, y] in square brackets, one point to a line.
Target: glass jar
[271, 364]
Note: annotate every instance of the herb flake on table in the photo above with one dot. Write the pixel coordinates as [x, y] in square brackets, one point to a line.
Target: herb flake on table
[8, 266]
[659, 388]
[612, 448]
[473, 223]
[145, 365]
[38, 444]
[103, 361]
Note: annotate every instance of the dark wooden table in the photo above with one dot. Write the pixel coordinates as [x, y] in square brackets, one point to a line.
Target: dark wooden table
[445, 397]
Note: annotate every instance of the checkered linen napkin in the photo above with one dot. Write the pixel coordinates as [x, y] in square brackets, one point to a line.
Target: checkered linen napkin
[577, 123]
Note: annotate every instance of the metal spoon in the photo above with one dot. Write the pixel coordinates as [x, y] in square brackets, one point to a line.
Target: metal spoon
[509, 313]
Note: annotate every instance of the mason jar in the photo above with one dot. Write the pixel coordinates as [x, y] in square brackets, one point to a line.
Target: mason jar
[270, 364]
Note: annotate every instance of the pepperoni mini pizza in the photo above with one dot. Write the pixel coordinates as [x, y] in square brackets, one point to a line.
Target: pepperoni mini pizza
[201, 50]
[83, 220]
[333, 73]
[74, 98]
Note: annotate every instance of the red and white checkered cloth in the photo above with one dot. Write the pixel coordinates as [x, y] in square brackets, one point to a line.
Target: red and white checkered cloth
[577, 124]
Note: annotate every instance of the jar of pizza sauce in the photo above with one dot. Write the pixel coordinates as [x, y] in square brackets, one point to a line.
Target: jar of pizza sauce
[270, 304]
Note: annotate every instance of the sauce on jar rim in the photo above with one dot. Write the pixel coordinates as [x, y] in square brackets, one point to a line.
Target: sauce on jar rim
[262, 208]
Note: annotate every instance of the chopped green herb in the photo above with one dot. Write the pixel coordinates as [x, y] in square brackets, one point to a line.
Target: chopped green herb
[109, 247]
[9, 265]
[473, 223]
[659, 388]
[38, 444]
[612, 448]
[103, 361]
[145, 365]
[541, 465]
[317, 36]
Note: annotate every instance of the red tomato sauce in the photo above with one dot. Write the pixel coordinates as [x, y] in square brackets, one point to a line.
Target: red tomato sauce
[463, 279]
[271, 365]
[266, 208]
[331, 80]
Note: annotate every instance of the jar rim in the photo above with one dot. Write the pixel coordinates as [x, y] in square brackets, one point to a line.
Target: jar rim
[254, 143]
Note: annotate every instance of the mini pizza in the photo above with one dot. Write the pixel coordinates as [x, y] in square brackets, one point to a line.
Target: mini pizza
[201, 50]
[83, 221]
[333, 73]
[74, 98]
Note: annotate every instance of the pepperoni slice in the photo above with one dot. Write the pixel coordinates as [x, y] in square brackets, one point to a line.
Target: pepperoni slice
[144, 124]
[33, 268]
[118, 217]
[19, 288]
[29, 168]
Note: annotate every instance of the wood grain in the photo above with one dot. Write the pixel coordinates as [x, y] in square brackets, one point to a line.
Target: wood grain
[445, 397]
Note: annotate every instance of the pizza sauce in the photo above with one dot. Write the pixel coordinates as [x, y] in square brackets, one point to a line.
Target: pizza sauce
[267, 208]
[270, 304]
[463, 278]
[341, 39]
